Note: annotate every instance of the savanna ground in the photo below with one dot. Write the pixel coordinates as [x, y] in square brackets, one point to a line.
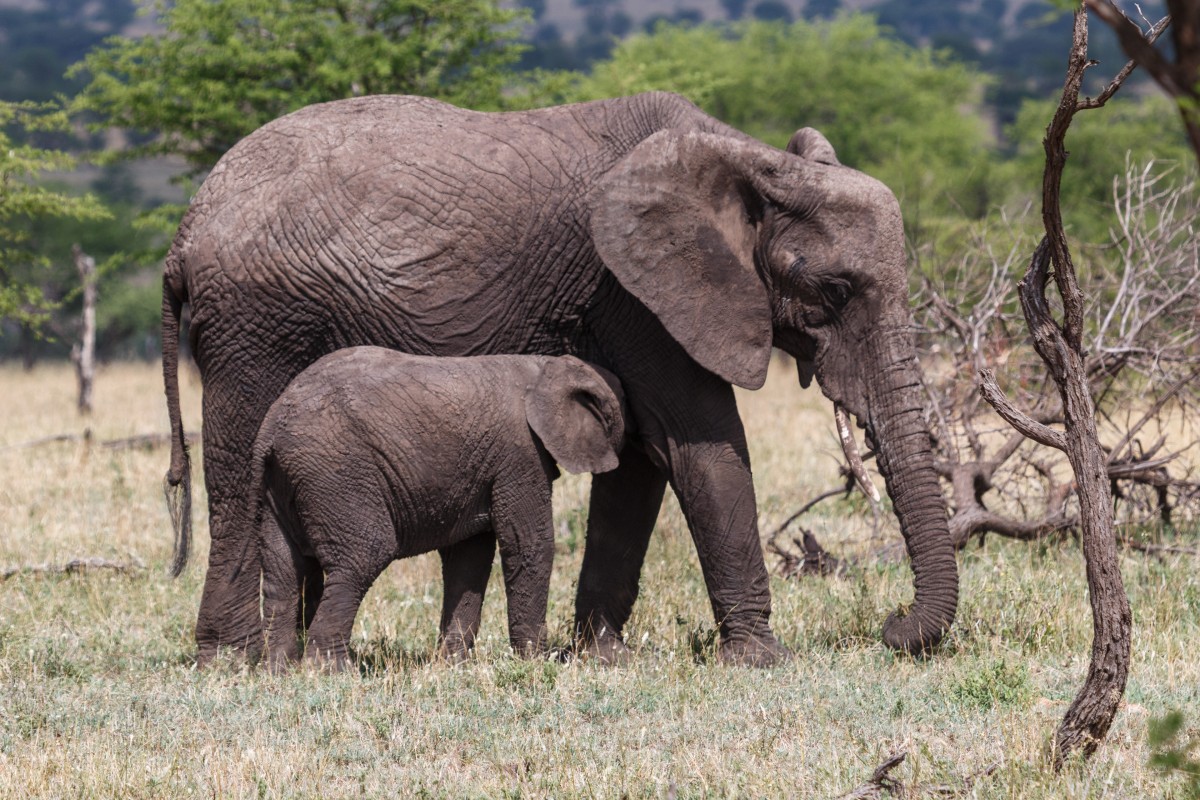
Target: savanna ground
[99, 696]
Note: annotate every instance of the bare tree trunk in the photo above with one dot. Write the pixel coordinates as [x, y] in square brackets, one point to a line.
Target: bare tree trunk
[84, 351]
[1091, 714]
[28, 347]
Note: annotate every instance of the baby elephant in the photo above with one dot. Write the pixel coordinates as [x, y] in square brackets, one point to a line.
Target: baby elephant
[372, 455]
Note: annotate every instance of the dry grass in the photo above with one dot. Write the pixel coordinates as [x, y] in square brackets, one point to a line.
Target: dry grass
[100, 697]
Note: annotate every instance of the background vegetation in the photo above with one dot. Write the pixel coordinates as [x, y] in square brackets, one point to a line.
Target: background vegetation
[943, 101]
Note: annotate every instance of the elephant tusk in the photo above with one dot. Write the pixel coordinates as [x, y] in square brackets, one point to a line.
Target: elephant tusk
[853, 459]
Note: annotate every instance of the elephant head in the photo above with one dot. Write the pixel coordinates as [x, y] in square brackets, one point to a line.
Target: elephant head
[577, 411]
[737, 247]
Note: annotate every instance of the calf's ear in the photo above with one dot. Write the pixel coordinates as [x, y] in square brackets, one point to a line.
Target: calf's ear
[577, 415]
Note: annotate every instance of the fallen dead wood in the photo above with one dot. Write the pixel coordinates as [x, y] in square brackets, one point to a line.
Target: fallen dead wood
[1154, 549]
[62, 437]
[881, 784]
[85, 564]
[811, 558]
[143, 440]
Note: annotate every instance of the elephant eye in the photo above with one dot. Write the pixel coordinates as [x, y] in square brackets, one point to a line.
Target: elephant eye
[837, 293]
[797, 271]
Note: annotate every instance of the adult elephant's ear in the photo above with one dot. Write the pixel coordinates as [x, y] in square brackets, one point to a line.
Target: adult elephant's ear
[578, 414]
[810, 143]
[674, 221]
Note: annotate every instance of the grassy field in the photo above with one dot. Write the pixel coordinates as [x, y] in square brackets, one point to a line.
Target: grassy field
[99, 696]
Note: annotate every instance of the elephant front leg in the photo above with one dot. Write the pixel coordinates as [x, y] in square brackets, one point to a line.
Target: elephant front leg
[624, 506]
[523, 520]
[466, 567]
[713, 483]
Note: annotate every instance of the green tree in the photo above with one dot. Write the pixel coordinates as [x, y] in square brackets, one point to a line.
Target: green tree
[128, 253]
[222, 68]
[1171, 751]
[1145, 128]
[906, 115]
[23, 202]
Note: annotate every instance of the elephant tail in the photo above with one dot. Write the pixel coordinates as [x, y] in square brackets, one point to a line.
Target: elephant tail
[177, 485]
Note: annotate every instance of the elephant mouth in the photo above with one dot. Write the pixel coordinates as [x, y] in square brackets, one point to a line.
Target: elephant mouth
[841, 416]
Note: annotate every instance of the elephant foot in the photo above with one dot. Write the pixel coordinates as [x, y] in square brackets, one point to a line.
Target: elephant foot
[212, 656]
[760, 650]
[280, 654]
[326, 660]
[607, 649]
[245, 648]
[277, 663]
[451, 653]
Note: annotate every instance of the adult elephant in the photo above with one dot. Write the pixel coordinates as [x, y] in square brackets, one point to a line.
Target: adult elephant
[637, 233]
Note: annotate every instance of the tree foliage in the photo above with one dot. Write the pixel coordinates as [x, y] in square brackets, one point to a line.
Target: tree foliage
[23, 202]
[907, 115]
[1171, 751]
[222, 68]
[1131, 129]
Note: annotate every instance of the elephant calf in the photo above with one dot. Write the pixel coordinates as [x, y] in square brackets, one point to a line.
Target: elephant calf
[371, 455]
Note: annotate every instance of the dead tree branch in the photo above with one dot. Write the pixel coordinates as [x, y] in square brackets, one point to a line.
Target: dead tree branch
[879, 783]
[1142, 366]
[1106, 94]
[1060, 346]
[143, 440]
[1027, 426]
[135, 564]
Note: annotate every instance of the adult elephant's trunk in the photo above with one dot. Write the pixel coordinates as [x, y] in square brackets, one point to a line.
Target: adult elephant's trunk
[905, 459]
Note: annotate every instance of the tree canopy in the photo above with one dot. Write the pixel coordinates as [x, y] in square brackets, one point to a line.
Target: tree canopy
[907, 115]
[925, 121]
[1138, 129]
[222, 68]
[23, 202]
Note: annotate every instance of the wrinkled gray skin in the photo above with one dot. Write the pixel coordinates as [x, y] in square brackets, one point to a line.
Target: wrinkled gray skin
[637, 233]
[371, 455]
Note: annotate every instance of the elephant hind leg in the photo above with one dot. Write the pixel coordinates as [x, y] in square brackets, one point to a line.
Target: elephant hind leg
[347, 576]
[466, 567]
[229, 605]
[312, 587]
[328, 643]
[283, 580]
